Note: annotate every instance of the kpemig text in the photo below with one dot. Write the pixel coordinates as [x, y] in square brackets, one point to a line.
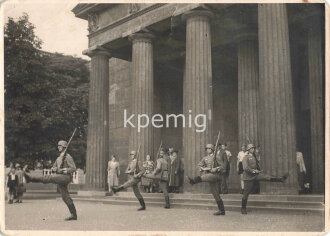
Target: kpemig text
[141, 121]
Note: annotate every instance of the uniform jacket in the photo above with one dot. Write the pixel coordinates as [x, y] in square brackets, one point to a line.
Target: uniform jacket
[250, 163]
[131, 167]
[221, 162]
[174, 172]
[68, 163]
[162, 168]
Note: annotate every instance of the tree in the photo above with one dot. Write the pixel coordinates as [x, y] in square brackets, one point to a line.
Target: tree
[45, 97]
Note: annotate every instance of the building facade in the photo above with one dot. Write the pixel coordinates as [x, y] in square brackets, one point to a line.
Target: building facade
[255, 70]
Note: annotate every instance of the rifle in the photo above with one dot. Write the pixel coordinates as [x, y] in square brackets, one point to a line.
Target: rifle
[216, 149]
[137, 168]
[67, 146]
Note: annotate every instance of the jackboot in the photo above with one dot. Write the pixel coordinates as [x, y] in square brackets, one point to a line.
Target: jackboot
[243, 209]
[116, 189]
[195, 180]
[143, 205]
[221, 208]
[167, 202]
[73, 212]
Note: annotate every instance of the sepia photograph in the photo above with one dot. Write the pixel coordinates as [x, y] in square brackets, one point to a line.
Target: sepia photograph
[152, 118]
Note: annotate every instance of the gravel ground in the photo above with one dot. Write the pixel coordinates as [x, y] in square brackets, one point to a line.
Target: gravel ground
[49, 215]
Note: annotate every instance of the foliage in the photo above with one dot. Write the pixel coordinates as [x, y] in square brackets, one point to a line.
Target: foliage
[46, 97]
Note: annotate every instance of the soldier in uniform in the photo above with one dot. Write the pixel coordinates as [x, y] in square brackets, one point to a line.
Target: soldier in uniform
[161, 173]
[134, 174]
[64, 166]
[212, 169]
[252, 175]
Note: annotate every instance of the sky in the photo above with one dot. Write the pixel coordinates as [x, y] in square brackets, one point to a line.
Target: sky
[55, 23]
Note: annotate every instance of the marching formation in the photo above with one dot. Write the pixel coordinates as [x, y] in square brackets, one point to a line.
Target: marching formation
[213, 167]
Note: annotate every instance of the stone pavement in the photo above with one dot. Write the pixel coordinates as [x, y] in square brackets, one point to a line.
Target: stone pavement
[49, 214]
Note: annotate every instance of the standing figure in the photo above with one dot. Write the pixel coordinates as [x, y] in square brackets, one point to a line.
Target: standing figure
[113, 173]
[174, 172]
[148, 166]
[12, 181]
[225, 176]
[240, 157]
[20, 183]
[161, 174]
[134, 177]
[252, 175]
[63, 167]
[212, 168]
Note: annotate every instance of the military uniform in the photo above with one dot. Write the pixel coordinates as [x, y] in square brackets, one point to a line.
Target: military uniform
[212, 168]
[252, 175]
[61, 178]
[161, 173]
[134, 177]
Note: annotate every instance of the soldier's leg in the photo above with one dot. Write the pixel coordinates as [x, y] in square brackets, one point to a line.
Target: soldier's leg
[211, 178]
[55, 179]
[139, 197]
[248, 186]
[214, 186]
[129, 183]
[270, 178]
[68, 201]
[163, 186]
[242, 183]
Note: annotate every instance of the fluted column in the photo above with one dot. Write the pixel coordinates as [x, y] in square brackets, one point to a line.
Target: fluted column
[197, 91]
[98, 120]
[316, 101]
[276, 99]
[142, 91]
[248, 80]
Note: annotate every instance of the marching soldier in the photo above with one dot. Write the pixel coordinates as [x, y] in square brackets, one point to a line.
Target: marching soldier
[252, 175]
[64, 166]
[135, 174]
[212, 169]
[162, 173]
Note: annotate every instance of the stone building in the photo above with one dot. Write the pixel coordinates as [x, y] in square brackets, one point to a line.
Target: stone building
[255, 70]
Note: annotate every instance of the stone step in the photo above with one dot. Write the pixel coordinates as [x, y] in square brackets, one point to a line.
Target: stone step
[206, 206]
[260, 197]
[270, 203]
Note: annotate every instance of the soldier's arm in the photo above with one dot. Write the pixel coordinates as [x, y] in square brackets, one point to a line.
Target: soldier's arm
[71, 165]
[201, 164]
[54, 167]
[246, 166]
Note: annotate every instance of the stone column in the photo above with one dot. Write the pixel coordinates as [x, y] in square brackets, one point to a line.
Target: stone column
[98, 119]
[142, 92]
[278, 146]
[248, 81]
[197, 91]
[316, 92]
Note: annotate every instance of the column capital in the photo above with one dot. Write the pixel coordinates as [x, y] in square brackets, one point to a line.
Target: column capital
[97, 50]
[147, 37]
[197, 13]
